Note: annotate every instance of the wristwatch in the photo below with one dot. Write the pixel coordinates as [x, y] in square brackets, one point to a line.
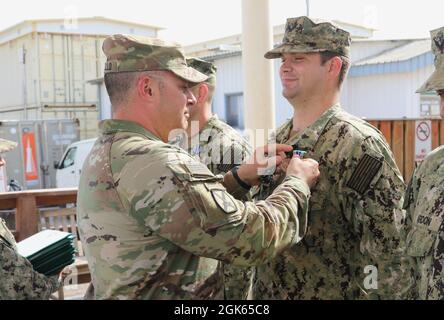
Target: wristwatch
[243, 184]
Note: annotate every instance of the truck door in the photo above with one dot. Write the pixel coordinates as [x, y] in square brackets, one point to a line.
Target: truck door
[66, 172]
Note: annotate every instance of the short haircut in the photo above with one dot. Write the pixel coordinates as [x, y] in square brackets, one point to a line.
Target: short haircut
[211, 89]
[119, 84]
[327, 55]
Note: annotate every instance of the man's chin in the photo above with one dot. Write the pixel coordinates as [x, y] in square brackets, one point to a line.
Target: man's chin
[289, 95]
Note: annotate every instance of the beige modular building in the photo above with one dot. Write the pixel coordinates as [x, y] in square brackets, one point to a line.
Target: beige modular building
[46, 66]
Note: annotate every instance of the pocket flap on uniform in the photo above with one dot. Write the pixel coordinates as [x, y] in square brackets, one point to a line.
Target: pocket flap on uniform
[420, 241]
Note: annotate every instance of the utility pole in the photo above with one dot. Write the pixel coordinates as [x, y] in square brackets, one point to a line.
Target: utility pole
[308, 7]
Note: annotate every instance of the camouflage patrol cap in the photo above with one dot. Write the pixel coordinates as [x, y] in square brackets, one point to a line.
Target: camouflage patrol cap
[205, 67]
[127, 53]
[302, 35]
[6, 145]
[436, 81]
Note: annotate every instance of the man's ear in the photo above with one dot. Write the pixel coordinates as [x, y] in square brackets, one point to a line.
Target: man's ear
[145, 87]
[202, 92]
[335, 66]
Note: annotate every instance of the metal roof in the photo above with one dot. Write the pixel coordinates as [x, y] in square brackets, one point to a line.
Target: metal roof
[81, 19]
[201, 49]
[408, 57]
[80, 26]
[401, 53]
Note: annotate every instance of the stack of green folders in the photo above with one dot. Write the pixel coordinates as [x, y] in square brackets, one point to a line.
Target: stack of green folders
[49, 251]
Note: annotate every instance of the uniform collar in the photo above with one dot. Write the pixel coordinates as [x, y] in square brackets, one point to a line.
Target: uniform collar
[115, 126]
[209, 126]
[211, 123]
[307, 138]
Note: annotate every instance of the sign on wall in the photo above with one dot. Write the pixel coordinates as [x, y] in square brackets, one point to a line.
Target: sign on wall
[423, 139]
[30, 157]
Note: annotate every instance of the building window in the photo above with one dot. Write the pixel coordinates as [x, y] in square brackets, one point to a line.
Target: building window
[234, 110]
[429, 104]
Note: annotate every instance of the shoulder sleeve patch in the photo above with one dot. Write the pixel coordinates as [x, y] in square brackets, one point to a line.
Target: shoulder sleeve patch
[364, 173]
[224, 201]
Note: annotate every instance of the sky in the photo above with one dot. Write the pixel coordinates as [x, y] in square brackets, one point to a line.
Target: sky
[192, 21]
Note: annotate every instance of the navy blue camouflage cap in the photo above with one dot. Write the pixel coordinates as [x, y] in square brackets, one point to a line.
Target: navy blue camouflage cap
[205, 67]
[302, 35]
[436, 81]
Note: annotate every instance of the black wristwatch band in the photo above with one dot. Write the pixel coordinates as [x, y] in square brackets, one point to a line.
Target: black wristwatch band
[238, 179]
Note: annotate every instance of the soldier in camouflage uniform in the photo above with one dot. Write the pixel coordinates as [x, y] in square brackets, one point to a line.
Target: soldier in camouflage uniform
[425, 198]
[18, 280]
[355, 243]
[150, 216]
[212, 141]
[220, 147]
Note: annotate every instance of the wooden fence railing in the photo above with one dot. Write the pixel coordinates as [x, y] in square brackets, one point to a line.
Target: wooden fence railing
[26, 204]
[400, 135]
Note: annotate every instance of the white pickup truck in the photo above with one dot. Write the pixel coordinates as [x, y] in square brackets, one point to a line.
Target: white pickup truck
[70, 167]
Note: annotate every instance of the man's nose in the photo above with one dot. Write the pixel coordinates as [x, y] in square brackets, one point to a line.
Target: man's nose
[285, 67]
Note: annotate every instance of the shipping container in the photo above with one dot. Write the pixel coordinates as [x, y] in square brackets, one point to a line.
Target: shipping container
[41, 144]
[48, 64]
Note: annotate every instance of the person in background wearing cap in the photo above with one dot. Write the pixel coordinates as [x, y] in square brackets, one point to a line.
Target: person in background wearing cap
[149, 215]
[221, 148]
[354, 247]
[18, 279]
[424, 198]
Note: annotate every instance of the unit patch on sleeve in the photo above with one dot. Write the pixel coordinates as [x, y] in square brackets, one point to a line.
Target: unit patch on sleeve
[224, 200]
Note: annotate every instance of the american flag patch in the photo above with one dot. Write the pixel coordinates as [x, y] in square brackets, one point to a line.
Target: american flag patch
[364, 173]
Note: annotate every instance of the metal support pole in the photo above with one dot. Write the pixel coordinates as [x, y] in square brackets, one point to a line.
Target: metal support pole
[257, 38]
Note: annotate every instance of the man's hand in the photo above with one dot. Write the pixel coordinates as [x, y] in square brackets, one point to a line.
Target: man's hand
[282, 168]
[305, 169]
[264, 161]
[2, 162]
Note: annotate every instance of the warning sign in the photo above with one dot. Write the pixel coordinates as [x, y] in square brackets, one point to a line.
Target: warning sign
[30, 157]
[423, 139]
